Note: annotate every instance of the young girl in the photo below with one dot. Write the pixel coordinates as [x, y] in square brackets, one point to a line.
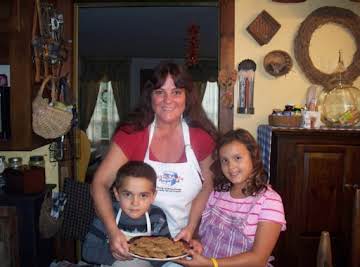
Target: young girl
[244, 216]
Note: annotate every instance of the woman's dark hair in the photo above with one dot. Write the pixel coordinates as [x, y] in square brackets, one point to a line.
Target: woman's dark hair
[135, 169]
[257, 180]
[193, 114]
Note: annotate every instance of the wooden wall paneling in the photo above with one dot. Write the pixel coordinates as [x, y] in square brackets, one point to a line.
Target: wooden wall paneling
[66, 249]
[20, 73]
[10, 16]
[22, 90]
[19, 56]
[4, 48]
[67, 166]
[227, 54]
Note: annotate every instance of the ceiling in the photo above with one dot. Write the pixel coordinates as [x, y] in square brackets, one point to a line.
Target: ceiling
[148, 32]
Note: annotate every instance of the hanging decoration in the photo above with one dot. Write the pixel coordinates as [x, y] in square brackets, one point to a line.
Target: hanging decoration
[49, 46]
[318, 18]
[192, 48]
[226, 81]
[246, 69]
[277, 63]
[263, 28]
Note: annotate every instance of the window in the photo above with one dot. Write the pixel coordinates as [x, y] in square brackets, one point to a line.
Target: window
[210, 101]
[105, 117]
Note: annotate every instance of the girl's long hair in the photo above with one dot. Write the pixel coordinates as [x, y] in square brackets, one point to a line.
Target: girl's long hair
[257, 180]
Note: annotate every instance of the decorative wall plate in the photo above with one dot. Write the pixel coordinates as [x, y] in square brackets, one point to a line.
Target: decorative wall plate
[277, 63]
[263, 28]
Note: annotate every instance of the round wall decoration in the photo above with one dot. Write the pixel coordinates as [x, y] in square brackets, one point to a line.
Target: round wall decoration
[277, 63]
[317, 18]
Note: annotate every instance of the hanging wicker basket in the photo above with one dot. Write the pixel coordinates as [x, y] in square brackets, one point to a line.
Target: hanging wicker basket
[48, 121]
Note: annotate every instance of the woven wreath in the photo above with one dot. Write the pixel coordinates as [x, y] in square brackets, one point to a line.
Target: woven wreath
[316, 19]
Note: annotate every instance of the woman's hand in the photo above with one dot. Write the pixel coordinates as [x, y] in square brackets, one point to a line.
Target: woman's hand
[119, 246]
[185, 234]
[197, 260]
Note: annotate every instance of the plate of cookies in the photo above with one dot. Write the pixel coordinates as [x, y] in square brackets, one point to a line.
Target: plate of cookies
[157, 248]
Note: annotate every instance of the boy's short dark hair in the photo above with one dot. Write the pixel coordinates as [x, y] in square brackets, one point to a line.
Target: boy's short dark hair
[135, 169]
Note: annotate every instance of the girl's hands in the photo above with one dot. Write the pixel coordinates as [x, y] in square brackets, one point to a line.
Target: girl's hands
[196, 246]
[197, 260]
[118, 245]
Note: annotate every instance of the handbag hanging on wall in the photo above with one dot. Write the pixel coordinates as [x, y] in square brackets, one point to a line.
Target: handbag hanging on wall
[49, 224]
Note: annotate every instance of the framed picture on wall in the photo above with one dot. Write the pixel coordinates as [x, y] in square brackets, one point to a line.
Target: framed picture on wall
[9, 254]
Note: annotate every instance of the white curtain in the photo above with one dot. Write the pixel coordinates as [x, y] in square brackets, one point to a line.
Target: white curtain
[210, 101]
[105, 117]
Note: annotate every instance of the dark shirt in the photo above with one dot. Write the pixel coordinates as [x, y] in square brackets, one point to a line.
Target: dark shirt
[159, 226]
[96, 247]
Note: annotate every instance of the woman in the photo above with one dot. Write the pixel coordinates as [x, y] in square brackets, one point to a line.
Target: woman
[170, 131]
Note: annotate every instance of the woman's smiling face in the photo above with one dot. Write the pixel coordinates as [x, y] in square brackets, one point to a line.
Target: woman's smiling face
[168, 101]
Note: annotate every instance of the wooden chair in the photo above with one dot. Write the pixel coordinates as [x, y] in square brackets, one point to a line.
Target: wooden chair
[355, 233]
[324, 255]
[83, 155]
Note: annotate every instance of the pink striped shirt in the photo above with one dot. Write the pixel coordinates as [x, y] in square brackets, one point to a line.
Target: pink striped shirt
[268, 207]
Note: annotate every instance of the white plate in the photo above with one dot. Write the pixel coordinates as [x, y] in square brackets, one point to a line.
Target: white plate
[157, 259]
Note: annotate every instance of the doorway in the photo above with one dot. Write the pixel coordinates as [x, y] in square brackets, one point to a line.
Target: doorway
[132, 39]
[104, 30]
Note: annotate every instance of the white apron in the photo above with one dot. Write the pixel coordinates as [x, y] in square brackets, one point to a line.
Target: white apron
[177, 183]
[130, 235]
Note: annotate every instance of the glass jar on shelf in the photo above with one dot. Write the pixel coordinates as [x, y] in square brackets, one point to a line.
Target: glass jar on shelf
[15, 163]
[36, 161]
[340, 105]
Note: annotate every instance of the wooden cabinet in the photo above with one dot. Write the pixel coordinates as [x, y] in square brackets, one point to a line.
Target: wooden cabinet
[33, 251]
[313, 171]
[9, 253]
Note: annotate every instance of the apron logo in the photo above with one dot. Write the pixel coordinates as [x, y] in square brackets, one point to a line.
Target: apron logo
[169, 178]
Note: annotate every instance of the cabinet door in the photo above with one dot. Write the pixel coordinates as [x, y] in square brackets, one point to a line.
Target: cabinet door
[322, 203]
[8, 237]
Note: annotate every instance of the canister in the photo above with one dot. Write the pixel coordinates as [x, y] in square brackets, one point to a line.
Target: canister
[15, 162]
[37, 161]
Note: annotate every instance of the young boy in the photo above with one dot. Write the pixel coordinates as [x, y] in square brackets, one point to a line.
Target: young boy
[135, 191]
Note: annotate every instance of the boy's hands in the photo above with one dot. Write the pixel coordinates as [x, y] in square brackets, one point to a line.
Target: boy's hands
[118, 245]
